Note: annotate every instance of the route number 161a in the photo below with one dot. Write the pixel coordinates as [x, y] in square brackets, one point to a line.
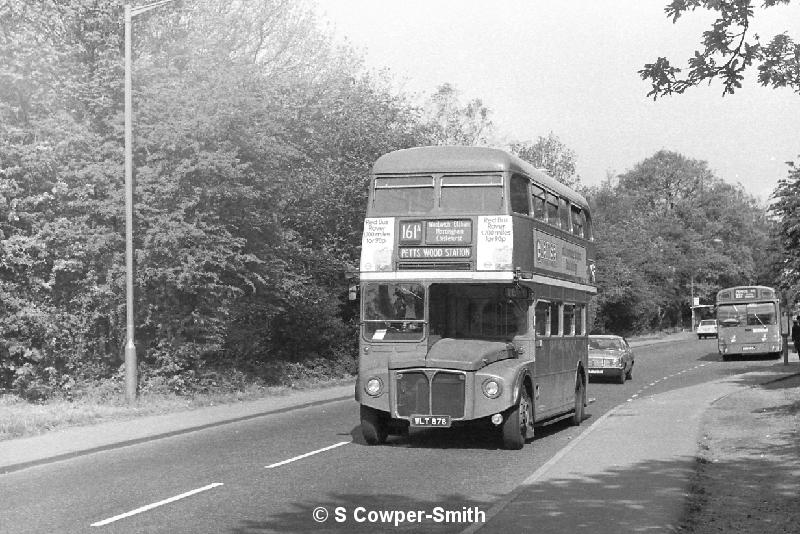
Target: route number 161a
[411, 232]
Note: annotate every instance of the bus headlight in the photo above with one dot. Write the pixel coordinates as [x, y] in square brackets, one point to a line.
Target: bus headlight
[492, 388]
[374, 386]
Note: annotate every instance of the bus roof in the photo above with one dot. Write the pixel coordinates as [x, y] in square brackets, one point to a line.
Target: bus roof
[456, 159]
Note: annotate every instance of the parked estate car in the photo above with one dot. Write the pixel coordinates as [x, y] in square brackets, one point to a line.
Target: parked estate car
[610, 357]
[707, 328]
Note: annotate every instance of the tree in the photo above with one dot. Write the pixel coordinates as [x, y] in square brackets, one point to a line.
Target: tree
[254, 136]
[551, 154]
[452, 123]
[667, 226]
[728, 50]
[666, 181]
[786, 207]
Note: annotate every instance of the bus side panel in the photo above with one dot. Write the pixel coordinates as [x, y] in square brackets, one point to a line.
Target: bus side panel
[546, 378]
[555, 372]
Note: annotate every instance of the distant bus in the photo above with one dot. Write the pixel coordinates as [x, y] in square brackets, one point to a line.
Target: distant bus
[476, 271]
[748, 321]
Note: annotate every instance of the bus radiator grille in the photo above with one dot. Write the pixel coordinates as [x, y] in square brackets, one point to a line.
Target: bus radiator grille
[434, 266]
[441, 394]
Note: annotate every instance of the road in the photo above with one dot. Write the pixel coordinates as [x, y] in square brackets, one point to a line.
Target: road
[269, 474]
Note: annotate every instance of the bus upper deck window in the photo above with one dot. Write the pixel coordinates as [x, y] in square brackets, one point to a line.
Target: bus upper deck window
[552, 209]
[577, 221]
[519, 195]
[479, 193]
[539, 203]
[403, 195]
[563, 212]
[587, 225]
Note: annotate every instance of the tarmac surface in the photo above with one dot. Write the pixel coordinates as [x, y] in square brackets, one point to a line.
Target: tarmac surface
[588, 486]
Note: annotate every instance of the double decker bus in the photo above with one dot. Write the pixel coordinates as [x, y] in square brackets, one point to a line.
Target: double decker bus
[748, 321]
[476, 272]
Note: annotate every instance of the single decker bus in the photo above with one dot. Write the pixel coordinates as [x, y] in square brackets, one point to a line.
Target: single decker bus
[476, 272]
[748, 322]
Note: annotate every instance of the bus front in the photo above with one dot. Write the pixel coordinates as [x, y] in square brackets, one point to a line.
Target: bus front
[446, 326]
[747, 322]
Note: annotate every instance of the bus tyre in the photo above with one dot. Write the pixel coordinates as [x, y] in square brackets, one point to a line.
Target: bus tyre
[374, 425]
[518, 421]
[580, 402]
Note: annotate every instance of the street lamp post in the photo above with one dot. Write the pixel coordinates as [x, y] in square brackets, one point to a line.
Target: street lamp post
[692, 301]
[131, 379]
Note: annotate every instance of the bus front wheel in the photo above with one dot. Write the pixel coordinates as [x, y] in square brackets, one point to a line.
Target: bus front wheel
[374, 425]
[518, 422]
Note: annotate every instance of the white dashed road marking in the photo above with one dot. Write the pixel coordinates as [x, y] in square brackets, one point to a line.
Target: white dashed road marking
[155, 505]
[306, 455]
[651, 384]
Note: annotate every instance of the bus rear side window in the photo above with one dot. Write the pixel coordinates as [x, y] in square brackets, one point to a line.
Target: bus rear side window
[519, 195]
[579, 322]
[563, 212]
[554, 316]
[539, 210]
[542, 314]
[552, 209]
[569, 319]
[577, 221]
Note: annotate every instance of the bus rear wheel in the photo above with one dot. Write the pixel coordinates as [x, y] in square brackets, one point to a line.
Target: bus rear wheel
[518, 422]
[374, 425]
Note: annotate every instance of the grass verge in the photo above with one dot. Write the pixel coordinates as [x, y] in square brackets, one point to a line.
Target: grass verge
[20, 418]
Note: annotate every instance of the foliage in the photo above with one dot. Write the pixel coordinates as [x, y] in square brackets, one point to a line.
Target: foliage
[669, 229]
[455, 124]
[551, 154]
[728, 50]
[253, 137]
[786, 207]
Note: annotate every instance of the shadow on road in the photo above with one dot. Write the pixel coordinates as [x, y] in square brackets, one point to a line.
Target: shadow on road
[646, 496]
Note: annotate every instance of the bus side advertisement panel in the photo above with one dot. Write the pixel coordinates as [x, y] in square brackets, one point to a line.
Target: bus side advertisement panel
[555, 254]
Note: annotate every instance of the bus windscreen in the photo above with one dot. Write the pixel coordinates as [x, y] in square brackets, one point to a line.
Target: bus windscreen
[755, 314]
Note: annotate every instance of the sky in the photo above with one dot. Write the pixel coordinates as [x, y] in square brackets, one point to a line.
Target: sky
[569, 67]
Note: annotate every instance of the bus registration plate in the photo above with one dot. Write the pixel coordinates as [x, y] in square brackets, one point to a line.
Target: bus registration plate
[748, 347]
[439, 421]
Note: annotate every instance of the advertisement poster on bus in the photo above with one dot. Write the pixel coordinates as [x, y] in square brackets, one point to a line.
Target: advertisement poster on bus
[495, 243]
[377, 243]
[555, 254]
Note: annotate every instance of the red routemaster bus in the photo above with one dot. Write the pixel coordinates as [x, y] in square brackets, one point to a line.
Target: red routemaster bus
[476, 271]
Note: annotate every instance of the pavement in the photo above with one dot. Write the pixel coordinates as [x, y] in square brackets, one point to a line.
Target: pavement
[629, 471]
